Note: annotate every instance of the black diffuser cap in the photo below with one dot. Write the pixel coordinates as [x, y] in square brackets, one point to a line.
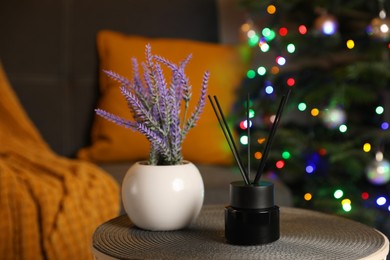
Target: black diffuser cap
[251, 196]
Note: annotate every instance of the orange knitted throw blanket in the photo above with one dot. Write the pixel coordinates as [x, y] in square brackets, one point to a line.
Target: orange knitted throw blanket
[49, 205]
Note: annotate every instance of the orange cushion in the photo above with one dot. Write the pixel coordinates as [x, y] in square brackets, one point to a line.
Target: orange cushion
[205, 143]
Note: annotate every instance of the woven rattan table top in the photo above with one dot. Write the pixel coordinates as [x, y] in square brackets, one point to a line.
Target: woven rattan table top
[304, 234]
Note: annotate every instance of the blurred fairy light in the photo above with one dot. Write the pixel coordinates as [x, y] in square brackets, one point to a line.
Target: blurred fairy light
[329, 28]
[266, 32]
[251, 74]
[283, 31]
[346, 205]
[291, 48]
[346, 201]
[290, 82]
[264, 47]
[384, 28]
[271, 9]
[382, 12]
[280, 60]
[379, 156]
[302, 106]
[327, 24]
[251, 34]
[307, 196]
[365, 195]
[246, 124]
[253, 40]
[280, 164]
[261, 71]
[310, 168]
[286, 155]
[258, 155]
[244, 140]
[338, 194]
[275, 70]
[379, 110]
[251, 113]
[302, 29]
[367, 147]
[381, 201]
[242, 125]
[245, 27]
[315, 112]
[350, 44]
[343, 128]
[322, 151]
[385, 125]
[269, 90]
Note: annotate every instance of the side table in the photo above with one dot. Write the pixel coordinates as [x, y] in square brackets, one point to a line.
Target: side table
[304, 234]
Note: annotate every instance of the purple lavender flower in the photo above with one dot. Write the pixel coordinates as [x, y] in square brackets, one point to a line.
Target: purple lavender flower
[156, 104]
[139, 89]
[199, 108]
[124, 81]
[116, 119]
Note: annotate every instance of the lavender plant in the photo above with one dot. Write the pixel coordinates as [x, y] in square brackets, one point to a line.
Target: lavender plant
[156, 106]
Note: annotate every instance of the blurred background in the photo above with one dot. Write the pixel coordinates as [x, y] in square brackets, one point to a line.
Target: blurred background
[332, 144]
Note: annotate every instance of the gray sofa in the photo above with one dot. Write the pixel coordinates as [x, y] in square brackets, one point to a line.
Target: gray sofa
[48, 49]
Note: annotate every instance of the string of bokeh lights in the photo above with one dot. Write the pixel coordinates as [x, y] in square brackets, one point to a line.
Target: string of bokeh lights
[336, 118]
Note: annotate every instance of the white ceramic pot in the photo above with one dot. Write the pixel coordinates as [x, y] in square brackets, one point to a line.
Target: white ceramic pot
[163, 197]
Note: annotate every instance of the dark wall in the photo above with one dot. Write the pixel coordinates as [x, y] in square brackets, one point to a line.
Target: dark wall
[47, 48]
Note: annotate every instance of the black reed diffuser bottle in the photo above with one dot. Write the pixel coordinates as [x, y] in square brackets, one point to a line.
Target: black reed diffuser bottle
[252, 218]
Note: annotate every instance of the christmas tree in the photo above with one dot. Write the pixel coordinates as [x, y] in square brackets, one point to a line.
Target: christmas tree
[332, 146]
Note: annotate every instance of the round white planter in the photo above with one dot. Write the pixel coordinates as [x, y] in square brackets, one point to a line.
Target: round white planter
[163, 197]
